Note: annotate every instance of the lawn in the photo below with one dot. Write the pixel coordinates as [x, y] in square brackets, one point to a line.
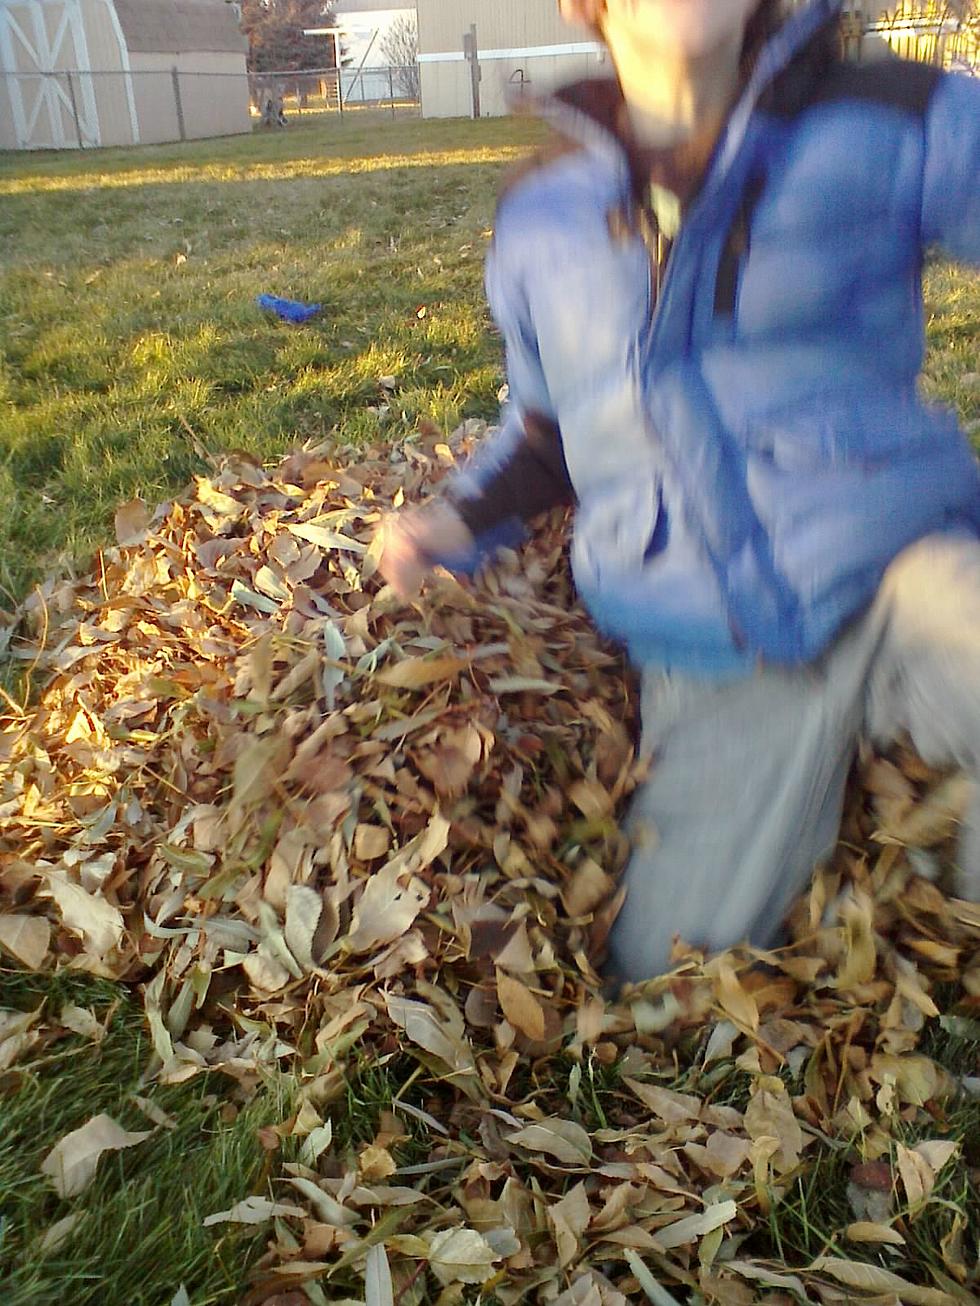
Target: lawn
[132, 354]
[130, 336]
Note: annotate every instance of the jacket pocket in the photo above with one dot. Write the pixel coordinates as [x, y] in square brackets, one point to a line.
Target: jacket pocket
[619, 527]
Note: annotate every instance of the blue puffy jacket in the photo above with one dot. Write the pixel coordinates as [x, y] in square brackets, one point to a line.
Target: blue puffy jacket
[748, 450]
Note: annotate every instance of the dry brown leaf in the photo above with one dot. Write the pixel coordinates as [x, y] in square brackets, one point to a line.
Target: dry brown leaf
[569, 1219]
[419, 673]
[871, 1278]
[72, 1162]
[26, 938]
[371, 842]
[520, 1006]
[735, 1000]
[562, 1139]
[863, 1231]
[132, 522]
[387, 907]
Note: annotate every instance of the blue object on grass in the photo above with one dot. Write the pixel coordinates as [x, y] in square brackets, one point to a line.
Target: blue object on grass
[290, 310]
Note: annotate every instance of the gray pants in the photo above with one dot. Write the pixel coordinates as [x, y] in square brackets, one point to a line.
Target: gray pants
[745, 794]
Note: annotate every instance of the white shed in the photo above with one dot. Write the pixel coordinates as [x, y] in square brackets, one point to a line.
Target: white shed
[79, 73]
[519, 43]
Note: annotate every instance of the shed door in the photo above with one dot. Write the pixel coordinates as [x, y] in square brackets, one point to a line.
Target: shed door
[43, 49]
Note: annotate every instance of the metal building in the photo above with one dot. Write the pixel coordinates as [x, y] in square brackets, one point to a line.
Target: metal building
[79, 73]
[520, 43]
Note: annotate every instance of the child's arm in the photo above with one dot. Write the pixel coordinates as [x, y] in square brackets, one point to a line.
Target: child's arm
[951, 175]
[516, 474]
[521, 471]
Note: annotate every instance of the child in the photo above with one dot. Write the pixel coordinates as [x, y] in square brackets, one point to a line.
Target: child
[711, 304]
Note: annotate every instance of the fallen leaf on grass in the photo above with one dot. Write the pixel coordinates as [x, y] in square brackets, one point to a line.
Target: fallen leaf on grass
[461, 1256]
[58, 1234]
[71, 1164]
[253, 1210]
[569, 1219]
[563, 1139]
[82, 1021]
[735, 1000]
[864, 1231]
[655, 1292]
[386, 909]
[692, 1228]
[871, 1278]
[132, 522]
[378, 1288]
[919, 1167]
[424, 1027]
[99, 924]
[316, 824]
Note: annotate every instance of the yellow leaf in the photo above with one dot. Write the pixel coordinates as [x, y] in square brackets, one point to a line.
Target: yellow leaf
[416, 673]
[520, 1006]
[864, 1231]
[734, 1000]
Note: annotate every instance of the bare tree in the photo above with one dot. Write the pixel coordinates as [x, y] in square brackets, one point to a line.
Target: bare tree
[400, 47]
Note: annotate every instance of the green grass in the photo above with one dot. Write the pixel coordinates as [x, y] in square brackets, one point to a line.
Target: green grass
[129, 344]
[130, 338]
[140, 1234]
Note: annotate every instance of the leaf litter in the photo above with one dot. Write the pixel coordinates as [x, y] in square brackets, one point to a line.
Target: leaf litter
[320, 828]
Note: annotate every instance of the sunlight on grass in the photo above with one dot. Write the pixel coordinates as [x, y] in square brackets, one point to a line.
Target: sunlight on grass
[132, 331]
[293, 170]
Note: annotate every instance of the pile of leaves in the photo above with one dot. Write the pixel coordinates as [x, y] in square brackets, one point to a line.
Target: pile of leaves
[328, 833]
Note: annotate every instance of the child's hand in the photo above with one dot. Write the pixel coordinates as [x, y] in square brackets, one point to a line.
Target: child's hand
[418, 538]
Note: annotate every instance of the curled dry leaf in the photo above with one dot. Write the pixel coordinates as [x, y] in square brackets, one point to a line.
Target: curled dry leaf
[253, 1210]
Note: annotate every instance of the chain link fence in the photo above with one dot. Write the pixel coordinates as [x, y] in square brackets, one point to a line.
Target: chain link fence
[79, 109]
[75, 108]
[293, 94]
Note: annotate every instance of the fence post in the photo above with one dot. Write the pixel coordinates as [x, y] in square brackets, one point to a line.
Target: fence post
[178, 103]
[74, 110]
[471, 52]
[391, 89]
